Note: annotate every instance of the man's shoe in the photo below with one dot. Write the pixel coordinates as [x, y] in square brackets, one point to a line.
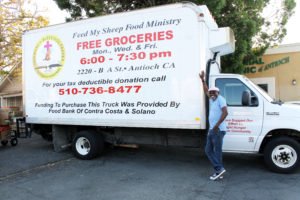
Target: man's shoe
[214, 175]
[217, 175]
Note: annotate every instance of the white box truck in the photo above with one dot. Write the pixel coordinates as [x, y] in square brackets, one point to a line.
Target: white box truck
[133, 78]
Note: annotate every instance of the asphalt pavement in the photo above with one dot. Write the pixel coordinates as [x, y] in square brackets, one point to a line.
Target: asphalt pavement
[32, 170]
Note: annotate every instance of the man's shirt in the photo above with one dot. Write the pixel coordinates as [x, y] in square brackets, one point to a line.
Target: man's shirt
[215, 112]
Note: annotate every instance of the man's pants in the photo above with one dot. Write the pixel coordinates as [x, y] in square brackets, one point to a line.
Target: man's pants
[213, 148]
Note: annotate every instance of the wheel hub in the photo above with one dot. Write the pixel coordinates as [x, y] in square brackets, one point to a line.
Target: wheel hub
[83, 146]
[284, 156]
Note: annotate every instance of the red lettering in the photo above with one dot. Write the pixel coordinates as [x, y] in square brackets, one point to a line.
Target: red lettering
[161, 35]
[108, 42]
[98, 43]
[78, 45]
[89, 44]
[124, 40]
[140, 38]
[148, 37]
[132, 39]
[92, 44]
[169, 35]
[85, 45]
[116, 41]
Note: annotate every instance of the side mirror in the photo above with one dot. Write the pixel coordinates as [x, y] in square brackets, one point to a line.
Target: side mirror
[246, 98]
[254, 101]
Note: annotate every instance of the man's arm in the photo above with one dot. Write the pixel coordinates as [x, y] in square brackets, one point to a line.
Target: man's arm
[222, 118]
[203, 83]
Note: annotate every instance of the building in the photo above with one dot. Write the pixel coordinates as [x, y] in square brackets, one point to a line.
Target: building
[278, 72]
[11, 89]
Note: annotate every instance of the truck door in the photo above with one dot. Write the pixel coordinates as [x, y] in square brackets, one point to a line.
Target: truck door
[244, 122]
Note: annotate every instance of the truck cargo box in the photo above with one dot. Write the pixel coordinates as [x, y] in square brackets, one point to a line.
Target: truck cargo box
[133, 69]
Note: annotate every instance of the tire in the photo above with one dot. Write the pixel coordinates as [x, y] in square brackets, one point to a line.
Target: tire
[14, 142]
[87, 145]
[282, 154]
[4, 142]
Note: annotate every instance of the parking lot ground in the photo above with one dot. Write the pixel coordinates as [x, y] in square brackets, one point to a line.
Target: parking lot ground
[32, 170]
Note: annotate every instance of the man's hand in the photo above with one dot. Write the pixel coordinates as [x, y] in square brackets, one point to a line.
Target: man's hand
[205, 89]
[216, 128]
[222, 118]
[202, 75]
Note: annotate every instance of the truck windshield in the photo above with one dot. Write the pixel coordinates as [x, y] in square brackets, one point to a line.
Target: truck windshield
[261, 91]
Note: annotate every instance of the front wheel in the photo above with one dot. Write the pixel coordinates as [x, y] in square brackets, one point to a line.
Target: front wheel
[282, 154]
[87, 144]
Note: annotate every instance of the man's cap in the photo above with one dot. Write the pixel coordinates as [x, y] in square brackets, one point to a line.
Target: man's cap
[213, 89]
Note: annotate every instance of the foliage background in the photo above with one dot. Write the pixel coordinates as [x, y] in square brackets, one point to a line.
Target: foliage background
[14, 19]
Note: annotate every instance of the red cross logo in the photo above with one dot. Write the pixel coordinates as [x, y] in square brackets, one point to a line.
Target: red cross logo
[48, 45]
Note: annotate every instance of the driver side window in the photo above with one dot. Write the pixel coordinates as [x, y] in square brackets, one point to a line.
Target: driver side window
[232, 90]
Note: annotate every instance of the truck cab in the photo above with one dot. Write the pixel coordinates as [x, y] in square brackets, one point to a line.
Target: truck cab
[256, 123]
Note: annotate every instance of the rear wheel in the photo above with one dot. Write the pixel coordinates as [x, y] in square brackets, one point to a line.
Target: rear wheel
[87, 144]
[282, 154]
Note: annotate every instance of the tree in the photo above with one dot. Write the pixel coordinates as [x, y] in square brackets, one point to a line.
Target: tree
[254, 33]
[14, 19]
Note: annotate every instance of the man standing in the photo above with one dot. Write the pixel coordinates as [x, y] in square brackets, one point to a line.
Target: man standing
[217, 128]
